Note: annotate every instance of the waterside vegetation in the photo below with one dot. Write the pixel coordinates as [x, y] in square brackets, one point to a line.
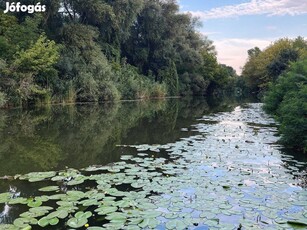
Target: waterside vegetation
[91, 51]
[278, 74]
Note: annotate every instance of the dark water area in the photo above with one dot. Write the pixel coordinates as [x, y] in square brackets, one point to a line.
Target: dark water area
[78, 136]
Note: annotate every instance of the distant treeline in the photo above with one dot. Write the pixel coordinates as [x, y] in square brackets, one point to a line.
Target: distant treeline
[278, 74]
[98, 50]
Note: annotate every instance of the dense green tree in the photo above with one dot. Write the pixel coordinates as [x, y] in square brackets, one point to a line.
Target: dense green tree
[287, 100]
[265, 66]
[93, 50]
[254, 52]
[32, 58]
[282, 62]
[85, 66]
[170, 77]
[2, 99]
[164, 44]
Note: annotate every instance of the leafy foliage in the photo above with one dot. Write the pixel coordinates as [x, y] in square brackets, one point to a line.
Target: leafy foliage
[2, 99]
[287, 100]
[105, 50]
[264, 67]
[281, 70]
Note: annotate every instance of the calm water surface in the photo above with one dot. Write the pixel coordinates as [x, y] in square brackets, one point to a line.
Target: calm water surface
[173, 163]
[78, 136]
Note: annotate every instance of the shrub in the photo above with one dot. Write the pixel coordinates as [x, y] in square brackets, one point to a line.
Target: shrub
[293, 114]
[108, 92]
[288, 82]
[287, 100]
[158, 90]
[2, 99]
[133, 85]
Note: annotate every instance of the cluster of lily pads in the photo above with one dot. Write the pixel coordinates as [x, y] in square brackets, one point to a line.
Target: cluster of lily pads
[230, 175]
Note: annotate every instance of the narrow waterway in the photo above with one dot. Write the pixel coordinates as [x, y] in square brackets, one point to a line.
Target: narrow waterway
[172, 164]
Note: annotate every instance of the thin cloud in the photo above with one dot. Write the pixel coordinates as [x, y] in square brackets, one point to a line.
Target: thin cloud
[255, 7]
[271, 28]
[233, 52]
[208, 33]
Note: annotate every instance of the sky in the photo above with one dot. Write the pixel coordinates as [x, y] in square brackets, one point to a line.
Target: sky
[236, 26]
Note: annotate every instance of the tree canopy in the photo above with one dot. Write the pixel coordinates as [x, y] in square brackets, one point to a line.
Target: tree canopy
[263, 67]
[105, 50]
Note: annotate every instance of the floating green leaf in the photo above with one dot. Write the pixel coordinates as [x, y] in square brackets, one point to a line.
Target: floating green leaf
[105, 210]
[18, 200]
[49, 189]
[5, 197]
[95, 228]
[61, 214]
[34, 203]
[43, 222]
[176, 224]
[76, 223]
[22, 222]
[81, 215]
[149, 222]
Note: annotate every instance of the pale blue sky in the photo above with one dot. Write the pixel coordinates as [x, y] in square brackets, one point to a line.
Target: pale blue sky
[238, 25]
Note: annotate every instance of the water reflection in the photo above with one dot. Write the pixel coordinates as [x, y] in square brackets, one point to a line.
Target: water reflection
[78, 136]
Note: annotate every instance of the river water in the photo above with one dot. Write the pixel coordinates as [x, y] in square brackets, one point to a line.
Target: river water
[166, 164]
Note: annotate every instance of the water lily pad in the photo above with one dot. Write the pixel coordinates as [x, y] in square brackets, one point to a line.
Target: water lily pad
[34, 203]
[116, 216]
[31, 215]
[137, 185]
[5, 197]
[171, 215]
[42, 198]
[126, 157]
[81, 215]
[22, 222]
[95, 228]
[151, 214]
[125, 203]
[176, 224]
[114, 169]
[12, 227]
[37, 176]
[89, 202]
[149, 222]
[57, 197]
[75, 195]
[114, 225]
[95, 168]
[135, 221]
[58, 178]
[49, 189]
[225, 206]
[105, 210]
[18, 200]
[41, 209]
[76, 223]
[76, 181]
[61, 214]
[43, 222]
[54, 221]
[65, 203]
